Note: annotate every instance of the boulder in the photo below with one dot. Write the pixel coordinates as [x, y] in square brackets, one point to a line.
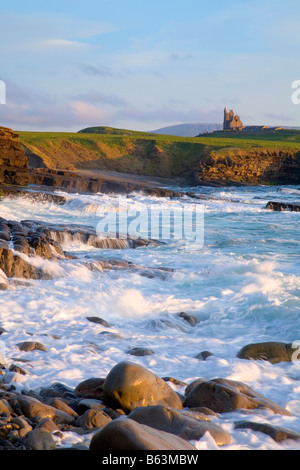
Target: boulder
[183, 425]
[271, 351]
[90, 388]
[130, 385]
[277, 433]
[140, 352]
[93, 418]
[31, 346]
[36, 411]
[39, 440]
[222, 396]
[127, 434]
[282, 206]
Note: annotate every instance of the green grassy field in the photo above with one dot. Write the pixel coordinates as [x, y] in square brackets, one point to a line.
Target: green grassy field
[144, 153]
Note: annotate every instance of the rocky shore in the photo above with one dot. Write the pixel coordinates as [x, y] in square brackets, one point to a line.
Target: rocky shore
[129, 409]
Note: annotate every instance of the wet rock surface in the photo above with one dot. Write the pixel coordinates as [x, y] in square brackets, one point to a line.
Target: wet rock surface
[132, 420]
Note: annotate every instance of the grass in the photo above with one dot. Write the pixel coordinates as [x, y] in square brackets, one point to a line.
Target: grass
[144, 153]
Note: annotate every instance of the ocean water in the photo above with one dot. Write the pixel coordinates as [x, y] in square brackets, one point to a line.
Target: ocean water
[242, 283]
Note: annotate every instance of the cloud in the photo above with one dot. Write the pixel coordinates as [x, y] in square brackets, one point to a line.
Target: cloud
[93, 96]
[101, 71]
[62, 43]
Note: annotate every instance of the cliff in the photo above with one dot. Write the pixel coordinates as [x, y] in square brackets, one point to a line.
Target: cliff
[269, 166]
[13, 162]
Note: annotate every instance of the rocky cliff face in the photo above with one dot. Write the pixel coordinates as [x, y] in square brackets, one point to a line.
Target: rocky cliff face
[249, 166]
[13, 162]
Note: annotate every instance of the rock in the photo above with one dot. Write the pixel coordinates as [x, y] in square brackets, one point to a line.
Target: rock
[190, 319]
[5, 406]
[192, 385]
[140, 352]
[273, 352]
[89, 404]
[39, 440]
[31, 346]
[99, 320]
[203, 355]
[90, 388]
[59, 404]
[19, 370]
[13, 162]
[93, 419]
[47, 425]
[130, 385]
[24, 426]
[35, 410]
[282, 206]
[222, 396]
[5, 430]
[277, 433]
[126, 434]
[174, 381]
[174, 422]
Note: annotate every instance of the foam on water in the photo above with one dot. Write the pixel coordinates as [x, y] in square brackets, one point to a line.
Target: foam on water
[243, 285]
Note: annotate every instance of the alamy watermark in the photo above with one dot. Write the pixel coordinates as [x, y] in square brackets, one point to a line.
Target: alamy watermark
[2, 92]
[151, 221]
[296, 94]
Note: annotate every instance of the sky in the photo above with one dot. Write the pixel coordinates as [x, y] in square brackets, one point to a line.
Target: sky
[140, 65]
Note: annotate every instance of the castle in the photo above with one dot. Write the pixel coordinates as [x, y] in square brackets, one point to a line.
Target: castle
[231, 121]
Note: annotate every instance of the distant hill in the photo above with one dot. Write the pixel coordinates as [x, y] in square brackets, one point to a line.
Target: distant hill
[188, 130]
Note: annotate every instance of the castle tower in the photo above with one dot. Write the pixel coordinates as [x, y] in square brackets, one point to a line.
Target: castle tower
[231, 121]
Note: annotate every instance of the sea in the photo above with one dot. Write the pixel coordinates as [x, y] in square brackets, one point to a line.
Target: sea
[235, 267]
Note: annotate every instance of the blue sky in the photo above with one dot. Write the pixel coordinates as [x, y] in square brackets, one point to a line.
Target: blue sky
[70, 64]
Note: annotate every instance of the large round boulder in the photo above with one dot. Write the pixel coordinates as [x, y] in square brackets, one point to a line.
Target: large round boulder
[183, 425]
[222, 396]
[125, 434]
[129, 385]
[271, 351]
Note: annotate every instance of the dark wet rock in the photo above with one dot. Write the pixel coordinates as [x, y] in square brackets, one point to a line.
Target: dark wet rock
[271, 351]
[23, 425]
[190, 319]
[19, 370]
[90, 388]
[140, 352]
[193, 384]
[59, 404]
[5, 429]
[31, 346]
[127, 434]
[5, 406]
[129, 385]
[174, 422]
[99, 320]
[89, 404]
[39, 440]
[93, 418]
[277, 433]
[203, 355]
[282, 206]
[174, 381]
[47, 425]
[36, 411]
[86, 234]
[222, 396]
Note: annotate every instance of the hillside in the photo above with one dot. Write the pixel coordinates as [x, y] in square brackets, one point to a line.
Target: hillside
[188, 130]
[213, 159]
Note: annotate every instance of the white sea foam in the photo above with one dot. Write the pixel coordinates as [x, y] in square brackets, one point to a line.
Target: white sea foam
[243, 286]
